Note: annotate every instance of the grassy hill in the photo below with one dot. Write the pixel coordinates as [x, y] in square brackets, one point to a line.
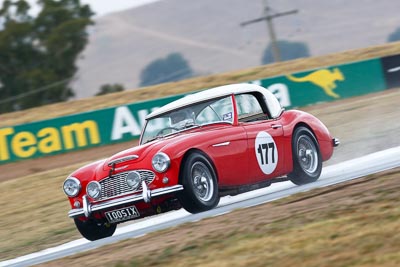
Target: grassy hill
[162, 90]
[208, 35]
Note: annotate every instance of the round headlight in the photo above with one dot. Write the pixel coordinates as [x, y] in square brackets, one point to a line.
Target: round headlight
[161, 162]
[133, 180]
[93, 189]
[72, 186]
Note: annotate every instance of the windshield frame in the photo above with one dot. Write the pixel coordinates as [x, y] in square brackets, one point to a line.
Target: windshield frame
[205, 104]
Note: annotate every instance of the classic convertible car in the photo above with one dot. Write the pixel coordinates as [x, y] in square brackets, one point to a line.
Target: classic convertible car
[222, 141]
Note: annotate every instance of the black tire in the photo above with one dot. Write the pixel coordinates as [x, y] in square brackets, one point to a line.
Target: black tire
[92, 230]
[307, 160]
[200, 184]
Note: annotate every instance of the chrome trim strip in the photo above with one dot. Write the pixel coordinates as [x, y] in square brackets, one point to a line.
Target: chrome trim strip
[119, 160]
[276, 126]
[222, 144]
[89, 208]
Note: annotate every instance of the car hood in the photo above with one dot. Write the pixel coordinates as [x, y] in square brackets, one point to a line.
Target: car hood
[138, 153]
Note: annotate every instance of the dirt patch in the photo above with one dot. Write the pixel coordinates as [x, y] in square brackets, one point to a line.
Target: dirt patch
[335, 226]
[28, 167]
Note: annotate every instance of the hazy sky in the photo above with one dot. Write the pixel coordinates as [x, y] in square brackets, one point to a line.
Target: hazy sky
[101, 7]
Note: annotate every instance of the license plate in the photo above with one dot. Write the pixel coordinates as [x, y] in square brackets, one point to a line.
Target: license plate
[121, 215]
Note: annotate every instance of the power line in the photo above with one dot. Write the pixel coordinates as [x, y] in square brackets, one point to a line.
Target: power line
[268, 17]
[32, 92]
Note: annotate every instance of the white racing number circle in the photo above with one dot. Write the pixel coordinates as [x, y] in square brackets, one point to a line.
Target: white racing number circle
[266, 152]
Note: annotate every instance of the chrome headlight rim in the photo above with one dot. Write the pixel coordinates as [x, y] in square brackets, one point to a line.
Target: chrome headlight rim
[98, 186]
[137, 183]
[77, 189]
[161, 162]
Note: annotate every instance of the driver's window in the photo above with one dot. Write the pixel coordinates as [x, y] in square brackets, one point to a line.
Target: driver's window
[249, 109]
[218, 111]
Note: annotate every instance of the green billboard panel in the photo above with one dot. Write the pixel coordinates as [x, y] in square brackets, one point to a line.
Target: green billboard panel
[69, 133]
[327, 84]
[124, 123]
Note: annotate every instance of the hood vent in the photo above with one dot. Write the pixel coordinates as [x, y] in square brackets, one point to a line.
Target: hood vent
[123, 159]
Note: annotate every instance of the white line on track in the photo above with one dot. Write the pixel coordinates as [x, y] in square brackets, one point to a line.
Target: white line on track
[334, 174]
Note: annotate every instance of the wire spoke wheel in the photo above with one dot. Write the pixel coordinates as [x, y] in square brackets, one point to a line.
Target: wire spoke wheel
[307, 160]
[202, 181]
[200, 184]
[307, 153]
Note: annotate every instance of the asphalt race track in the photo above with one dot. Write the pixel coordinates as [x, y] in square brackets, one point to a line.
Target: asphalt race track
[334, 174]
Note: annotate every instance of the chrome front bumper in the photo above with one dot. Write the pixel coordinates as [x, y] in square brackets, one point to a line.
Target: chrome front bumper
[146, 196]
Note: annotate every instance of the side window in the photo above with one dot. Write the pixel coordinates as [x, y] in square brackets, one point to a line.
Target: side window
[218, 111]
[249, 109]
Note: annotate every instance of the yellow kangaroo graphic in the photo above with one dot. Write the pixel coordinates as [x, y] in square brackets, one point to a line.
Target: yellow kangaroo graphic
[323, 78]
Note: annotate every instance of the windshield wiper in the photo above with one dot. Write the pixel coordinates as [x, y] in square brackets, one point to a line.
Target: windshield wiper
[190, 125]
[153, 138]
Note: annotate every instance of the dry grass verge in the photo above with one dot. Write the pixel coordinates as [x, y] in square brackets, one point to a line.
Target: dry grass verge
[351, 224]
[34, 214]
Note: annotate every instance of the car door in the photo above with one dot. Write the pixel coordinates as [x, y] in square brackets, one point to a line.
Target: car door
[265, 151]
[226, 143]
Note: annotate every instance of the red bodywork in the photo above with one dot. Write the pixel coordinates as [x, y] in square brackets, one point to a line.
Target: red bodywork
[229, 147]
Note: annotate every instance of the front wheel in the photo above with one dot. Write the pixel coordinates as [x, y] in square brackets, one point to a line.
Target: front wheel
[92, 230]
[200, 184]
[307, 161]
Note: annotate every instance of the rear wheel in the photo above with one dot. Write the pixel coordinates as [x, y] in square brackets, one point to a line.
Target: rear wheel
[200, 184]
[307, 161]
[93, 230]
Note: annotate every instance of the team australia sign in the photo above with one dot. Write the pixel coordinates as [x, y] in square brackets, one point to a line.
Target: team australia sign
[75, 132]
[124, 123]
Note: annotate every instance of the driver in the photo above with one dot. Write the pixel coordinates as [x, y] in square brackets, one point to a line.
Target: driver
[180, 119]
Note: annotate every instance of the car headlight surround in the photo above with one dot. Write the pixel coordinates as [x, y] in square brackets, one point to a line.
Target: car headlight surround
[133, 180]
[72, 186]
[93, 189]
[161, 162]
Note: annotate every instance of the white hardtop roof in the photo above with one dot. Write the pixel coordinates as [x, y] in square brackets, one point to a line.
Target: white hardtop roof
[209, 94]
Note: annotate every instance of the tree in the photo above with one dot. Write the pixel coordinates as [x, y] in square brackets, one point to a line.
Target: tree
[394, 36]
[38, 54]
[172, 68]
[288, 50]
[110, 88]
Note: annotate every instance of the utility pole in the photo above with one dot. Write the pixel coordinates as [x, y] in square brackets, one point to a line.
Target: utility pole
[268, 17]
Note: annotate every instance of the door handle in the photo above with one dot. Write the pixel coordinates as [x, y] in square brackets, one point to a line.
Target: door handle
[276, 126]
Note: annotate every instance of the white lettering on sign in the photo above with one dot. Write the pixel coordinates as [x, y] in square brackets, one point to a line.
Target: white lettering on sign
[281, 92]
[266, 152]
[125, 123]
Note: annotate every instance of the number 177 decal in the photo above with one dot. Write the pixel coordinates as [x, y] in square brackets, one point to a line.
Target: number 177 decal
[266, 152]
[263, 150]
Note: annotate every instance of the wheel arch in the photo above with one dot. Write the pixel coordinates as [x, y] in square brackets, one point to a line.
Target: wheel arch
[305, 125]
[196, 150]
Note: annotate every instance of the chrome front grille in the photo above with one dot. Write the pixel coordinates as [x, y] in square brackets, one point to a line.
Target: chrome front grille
[117, 186]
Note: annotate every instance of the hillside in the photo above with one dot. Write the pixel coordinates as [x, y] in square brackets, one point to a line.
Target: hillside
[162, 90]
[209, 35]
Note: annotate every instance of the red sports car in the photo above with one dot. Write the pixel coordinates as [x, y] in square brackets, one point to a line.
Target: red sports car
[222, 141]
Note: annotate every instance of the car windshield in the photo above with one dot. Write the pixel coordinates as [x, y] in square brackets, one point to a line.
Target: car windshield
[199, 114]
